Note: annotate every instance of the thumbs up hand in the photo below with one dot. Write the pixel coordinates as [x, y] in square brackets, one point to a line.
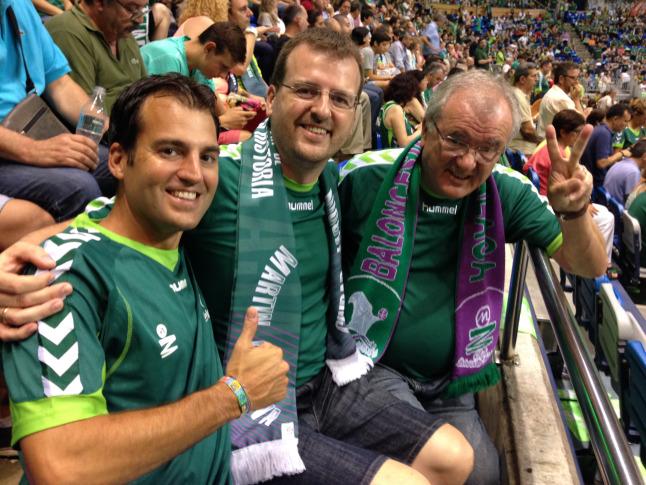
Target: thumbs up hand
[260, 369]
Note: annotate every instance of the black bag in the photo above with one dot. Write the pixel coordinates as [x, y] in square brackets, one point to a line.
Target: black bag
[32, 116]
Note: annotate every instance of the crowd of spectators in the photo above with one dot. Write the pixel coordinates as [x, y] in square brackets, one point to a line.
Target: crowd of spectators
[394, 38]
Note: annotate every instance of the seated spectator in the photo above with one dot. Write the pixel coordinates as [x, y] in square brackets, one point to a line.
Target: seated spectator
[60, 174]
[598, 155]
[636, 128]
[345, 26]
[315, 18]
[636, 207]
[524, 80]
[394, 125]
[268, 16]
[625, 175]
[295, 18]
[568, 124]
[211, 54]
[378, 65]
[96, 39]
[608, 98]
[18, 218]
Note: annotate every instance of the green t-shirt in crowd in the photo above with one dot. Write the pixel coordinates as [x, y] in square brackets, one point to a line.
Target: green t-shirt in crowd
[134, 334]
[211, 250]
[90, 57]
[422, 346]
[169, 55]
[628, 137]
[638, 210]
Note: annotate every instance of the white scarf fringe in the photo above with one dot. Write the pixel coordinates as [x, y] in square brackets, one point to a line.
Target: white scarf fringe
[349, 368]
[266, 460]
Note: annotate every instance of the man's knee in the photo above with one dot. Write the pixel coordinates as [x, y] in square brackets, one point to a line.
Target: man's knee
[395, 472]
[447, 457]
[76, 191]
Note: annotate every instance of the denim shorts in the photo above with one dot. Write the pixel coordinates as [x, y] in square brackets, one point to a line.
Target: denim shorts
[459, 411]
[346, 433]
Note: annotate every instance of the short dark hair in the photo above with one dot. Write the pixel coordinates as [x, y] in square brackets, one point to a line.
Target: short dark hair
[616, 110]
[358, 34]
[291, 12]
[567, 120]
[402, 88]
[596, 116]
[366, 13]
[561, 70]
[354, 6]
[379, 36]
[324, 40]
[312, 15]
[638, 149]
[227, 36]
[125, 118]
[523, 70]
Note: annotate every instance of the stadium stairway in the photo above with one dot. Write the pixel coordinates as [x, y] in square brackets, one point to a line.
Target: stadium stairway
[576, 44]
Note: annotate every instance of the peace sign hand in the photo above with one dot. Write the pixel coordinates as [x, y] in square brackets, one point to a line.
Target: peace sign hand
[570, 183]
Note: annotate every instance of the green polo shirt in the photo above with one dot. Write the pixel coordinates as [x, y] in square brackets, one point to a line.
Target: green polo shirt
[90, 57]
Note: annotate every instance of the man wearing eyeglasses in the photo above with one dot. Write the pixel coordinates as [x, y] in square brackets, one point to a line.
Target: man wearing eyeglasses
[564, 94]
[424, 230]
[270, 239]
[95, 36]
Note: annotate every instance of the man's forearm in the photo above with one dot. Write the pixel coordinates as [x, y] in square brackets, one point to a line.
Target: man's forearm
[67, 97]
[583, 251]
[119, 447]
[14, 146]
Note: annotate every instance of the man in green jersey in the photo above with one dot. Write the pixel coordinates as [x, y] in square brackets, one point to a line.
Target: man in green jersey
[423, 238]
[125, 382]
[271, 238]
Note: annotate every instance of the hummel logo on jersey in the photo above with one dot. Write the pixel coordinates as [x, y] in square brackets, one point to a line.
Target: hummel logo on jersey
[165, 341]
[178, 285]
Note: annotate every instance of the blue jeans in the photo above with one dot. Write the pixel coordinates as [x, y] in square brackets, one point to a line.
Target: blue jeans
[459, 412]
[345, 434]
[63, 192]
[376, 95]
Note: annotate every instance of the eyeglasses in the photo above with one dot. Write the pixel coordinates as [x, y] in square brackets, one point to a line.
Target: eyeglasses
[574, 78]
[484, 154]
[134, 10]
[310, 92]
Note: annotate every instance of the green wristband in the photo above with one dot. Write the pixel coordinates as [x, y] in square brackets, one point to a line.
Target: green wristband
[241, 395]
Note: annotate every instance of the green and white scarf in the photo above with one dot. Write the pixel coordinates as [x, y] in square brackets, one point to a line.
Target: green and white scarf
[267, 277]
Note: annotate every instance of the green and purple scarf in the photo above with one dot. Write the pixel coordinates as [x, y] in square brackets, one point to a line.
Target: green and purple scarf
[377, 284]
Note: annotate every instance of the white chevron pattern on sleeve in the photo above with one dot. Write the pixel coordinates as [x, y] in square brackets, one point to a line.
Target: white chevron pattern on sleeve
[56, 335]
[62, 364]
[73, 388]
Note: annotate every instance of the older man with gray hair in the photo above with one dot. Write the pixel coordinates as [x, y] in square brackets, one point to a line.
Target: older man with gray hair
[405, 209]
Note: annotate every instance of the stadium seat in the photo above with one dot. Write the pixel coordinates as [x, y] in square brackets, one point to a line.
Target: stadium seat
[631, 247]
[636, 392]
[516, 159]
[617, 209]
[533, 176]
[601, 196]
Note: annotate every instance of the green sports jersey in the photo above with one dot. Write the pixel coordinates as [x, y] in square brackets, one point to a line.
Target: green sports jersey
[134, 334]
[628, 137]
[388, 134]
[426, 324]
[638, 210]
[211, 249]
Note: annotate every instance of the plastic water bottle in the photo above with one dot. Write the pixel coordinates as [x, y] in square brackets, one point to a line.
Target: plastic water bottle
[93, 116]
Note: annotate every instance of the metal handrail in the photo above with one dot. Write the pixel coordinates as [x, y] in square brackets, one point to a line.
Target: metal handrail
[514, 303]
[615, 459]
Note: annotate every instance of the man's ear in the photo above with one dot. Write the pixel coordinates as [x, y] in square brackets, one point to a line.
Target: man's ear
[209, 47]
[117, 161]
[271, 96]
